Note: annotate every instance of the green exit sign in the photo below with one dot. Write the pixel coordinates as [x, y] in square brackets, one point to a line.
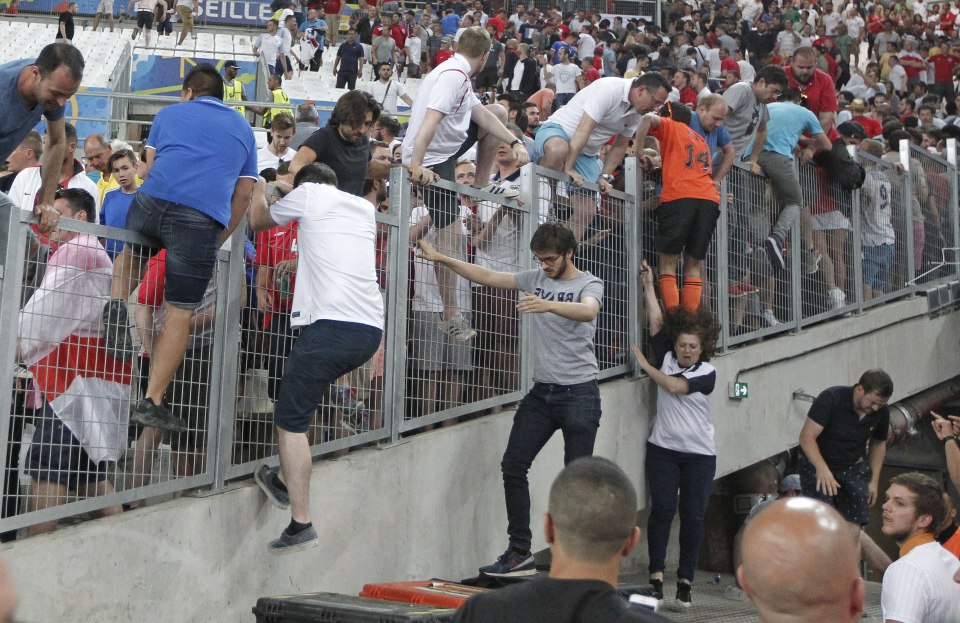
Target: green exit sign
[738, 390]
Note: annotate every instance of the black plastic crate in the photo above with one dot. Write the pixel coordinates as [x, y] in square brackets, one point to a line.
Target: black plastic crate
[336, 608]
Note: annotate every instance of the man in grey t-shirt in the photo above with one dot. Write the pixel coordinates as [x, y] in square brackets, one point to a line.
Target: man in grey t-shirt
[747, 114]
[563, 303]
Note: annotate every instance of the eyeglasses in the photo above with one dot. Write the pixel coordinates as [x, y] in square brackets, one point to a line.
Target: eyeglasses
[550, 259]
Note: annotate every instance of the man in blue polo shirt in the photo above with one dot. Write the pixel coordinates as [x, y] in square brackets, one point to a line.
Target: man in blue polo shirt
[708, 123]
[30, 89]
[202, 163]
[788, 122]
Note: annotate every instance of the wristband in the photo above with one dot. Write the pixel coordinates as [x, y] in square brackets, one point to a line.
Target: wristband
[952, 438]
[516, 142]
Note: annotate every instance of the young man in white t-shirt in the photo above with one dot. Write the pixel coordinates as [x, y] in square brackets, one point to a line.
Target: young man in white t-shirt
[386, 91]
[282, 129]
[337, 306]
[447, 120]
[571, 139]
[567, 77]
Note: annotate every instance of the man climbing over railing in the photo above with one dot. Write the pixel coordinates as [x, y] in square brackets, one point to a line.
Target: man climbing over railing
[571, 139]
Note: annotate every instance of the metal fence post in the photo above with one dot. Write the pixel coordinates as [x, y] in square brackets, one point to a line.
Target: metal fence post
[633, 188]
[395, 344]
[953, 206]
[530, 195]
[904, 149]
[723, 267]
[856, 219]
[13, 248]
[231, 286]
[796, 266]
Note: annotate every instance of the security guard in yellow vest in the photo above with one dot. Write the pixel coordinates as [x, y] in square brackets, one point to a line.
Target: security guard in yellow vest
[279, 97]
[233, 88]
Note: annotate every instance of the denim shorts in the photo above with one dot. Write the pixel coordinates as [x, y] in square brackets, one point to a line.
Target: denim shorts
[190, 238]
[324, 351]
[587, 166]
[876, 266]
[56, 454]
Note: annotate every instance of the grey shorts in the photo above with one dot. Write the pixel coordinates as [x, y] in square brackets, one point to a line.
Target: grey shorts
[781, 171]
[432, 350]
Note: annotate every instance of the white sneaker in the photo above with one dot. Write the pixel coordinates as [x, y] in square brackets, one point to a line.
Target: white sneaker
[810, 260]
[838, 298]
[458, 328]
[769, 319]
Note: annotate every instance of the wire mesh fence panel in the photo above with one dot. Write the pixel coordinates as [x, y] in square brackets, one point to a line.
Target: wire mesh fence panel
[887, 229]
[829, 286]
[759, 279]
[80, 368]
[462, 338]
[936, 181]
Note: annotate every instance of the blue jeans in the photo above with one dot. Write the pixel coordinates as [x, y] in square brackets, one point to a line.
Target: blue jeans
[191, 239]
[324, 351]
[669, 472]
[575, 410]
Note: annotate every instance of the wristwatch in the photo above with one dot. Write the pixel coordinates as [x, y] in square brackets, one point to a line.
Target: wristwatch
[952, 438]
[516, 142]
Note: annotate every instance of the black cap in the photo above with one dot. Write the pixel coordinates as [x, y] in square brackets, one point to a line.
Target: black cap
[852, 129]
[229, 64]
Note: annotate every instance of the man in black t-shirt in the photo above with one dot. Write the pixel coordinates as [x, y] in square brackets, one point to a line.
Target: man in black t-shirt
[65, 23]
[343, 145]
[590, 528]
[844, 440]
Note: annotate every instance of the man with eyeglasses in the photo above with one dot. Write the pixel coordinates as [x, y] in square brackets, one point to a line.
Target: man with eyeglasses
[571, 139]
[563, 303]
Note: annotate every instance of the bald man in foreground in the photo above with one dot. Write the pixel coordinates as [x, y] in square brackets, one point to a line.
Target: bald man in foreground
[800, 564]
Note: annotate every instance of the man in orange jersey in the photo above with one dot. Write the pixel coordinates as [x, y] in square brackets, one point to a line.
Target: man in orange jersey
[689, 203]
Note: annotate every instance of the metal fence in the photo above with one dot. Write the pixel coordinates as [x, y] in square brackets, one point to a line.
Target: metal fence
[420, 377]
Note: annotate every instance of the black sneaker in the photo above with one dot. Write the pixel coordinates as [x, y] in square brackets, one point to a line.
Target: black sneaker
[511, 564]
[149, 414]
[116, 325]
[774, 248]
[683, 600]
[657, 590]
[277, 496]
[288, 543]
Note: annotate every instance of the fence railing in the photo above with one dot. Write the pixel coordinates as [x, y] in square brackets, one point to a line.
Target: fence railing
[420, 377]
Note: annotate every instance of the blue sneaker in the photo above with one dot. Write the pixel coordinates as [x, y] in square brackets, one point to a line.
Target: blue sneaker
[511, 565]
[288, 543]
[264, 478]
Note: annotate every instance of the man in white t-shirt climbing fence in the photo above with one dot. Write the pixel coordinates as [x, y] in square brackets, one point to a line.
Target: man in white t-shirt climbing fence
[337, 307]
[571, 139]
[446, 121]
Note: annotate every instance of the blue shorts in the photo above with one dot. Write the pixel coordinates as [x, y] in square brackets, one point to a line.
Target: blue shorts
[589, 167]
[876, 266]
[324, 351]
[191, 239]
[56, 455]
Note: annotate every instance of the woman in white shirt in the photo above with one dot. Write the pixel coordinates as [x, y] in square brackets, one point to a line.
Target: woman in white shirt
[681, 452]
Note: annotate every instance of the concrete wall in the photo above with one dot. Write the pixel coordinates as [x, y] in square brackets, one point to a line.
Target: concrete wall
[432, 506]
